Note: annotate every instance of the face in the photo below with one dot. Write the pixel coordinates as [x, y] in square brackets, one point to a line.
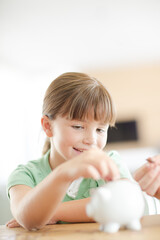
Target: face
[72, 137]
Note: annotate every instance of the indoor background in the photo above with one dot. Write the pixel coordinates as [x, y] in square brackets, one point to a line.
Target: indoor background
[117, 41]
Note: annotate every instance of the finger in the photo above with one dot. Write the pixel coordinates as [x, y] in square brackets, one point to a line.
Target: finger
[98, 160]
[157, 194]
[11, 221]
[113, 170]
[88, 171]
[92, 172]
[148, 178]
[154, 186]
[51, 222]
[13, 224]
[103, 169]
[155, 159]
[106, 168]
[140, 172]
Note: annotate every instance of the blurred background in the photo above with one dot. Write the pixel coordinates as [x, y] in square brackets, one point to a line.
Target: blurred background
[117, 41]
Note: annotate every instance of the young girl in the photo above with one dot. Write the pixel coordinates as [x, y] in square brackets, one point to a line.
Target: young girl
[77, 111]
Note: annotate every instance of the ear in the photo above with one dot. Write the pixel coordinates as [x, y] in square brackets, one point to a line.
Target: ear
[104, 193]
[46, 125]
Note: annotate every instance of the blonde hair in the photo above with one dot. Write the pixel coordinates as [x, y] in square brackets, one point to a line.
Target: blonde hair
[76, 95]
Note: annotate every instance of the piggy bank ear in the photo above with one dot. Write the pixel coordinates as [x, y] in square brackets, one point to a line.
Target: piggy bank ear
[104, 193]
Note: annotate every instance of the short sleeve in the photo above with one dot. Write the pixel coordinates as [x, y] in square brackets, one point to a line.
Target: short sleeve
[30, 174]
[20, 176]
[123, 169]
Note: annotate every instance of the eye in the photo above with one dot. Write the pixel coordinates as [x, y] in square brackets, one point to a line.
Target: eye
[101, 130]
[77, 127]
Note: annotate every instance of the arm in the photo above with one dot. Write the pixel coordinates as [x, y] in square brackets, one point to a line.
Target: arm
[33, 208]
[72, 211]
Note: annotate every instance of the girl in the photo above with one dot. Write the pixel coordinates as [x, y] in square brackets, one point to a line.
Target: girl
[77, 111]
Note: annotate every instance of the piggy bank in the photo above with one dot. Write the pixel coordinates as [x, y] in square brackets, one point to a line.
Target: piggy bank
[117, 204]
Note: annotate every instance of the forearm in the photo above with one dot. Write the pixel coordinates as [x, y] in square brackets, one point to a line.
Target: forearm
[73, 211]
[37, 207]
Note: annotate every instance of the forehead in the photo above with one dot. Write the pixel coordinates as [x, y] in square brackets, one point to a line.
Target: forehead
[97, 114]
[88, 118]
[88, 123]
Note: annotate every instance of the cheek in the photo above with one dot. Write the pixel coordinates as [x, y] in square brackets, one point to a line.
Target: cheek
[72, 138]
[102, 142]
[66, 137]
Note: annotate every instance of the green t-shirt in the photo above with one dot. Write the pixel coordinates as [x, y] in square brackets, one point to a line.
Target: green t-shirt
[35, 171]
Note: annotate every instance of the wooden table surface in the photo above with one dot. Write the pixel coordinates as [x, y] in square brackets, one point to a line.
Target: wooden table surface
[84, 231]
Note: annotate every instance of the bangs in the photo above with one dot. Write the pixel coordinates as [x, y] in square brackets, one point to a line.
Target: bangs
[95, 103]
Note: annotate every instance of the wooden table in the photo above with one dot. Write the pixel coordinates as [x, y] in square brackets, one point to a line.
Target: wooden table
[84, 231]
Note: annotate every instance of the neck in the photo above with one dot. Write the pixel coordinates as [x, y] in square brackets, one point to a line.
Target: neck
[55, 159]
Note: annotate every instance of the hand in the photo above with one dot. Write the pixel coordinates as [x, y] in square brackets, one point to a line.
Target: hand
[92, 163]
[14, 224]
[148, 176]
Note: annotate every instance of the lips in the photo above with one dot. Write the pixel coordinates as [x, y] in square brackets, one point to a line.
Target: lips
[79, 150]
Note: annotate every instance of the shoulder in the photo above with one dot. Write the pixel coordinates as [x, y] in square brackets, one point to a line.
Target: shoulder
[41, 165]
[115, 157]
[31, 173]
[113, 154]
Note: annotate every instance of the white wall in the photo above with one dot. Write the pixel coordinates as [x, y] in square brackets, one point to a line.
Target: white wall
[46, 35]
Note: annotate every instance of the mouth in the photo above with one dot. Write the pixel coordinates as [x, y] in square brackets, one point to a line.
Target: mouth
[79, 150]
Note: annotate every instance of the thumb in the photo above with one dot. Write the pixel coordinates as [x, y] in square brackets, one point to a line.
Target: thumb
[12, 223]
[154, 159]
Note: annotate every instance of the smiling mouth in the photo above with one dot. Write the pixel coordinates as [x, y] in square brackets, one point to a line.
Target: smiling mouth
[78, 150]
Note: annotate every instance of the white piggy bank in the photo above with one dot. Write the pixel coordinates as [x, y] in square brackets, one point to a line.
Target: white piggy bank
[116, 204]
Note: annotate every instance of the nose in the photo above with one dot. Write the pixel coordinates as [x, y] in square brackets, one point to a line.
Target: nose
[90, 138]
